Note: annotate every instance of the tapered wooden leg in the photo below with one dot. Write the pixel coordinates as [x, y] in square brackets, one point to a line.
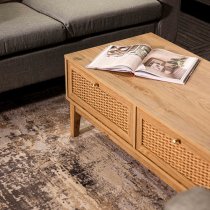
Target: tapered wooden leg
[75, 121]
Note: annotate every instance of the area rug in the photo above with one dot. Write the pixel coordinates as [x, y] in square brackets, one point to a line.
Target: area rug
[42, 167]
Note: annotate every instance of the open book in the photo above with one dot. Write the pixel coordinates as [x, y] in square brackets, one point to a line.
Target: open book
[143, 61]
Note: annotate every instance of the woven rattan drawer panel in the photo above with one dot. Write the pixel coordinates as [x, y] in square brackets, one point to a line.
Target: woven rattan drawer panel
[179, 157]
[101, 100]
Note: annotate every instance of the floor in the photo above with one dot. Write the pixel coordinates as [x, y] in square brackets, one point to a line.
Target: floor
[42, 167]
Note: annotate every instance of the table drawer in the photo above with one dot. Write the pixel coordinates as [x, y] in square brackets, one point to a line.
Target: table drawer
[163, 147]
[105, 105]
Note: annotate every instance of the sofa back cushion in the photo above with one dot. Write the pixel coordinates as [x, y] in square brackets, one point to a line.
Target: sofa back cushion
[94, 16]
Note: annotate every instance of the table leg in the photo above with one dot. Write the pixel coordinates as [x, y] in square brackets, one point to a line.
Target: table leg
[74, 121]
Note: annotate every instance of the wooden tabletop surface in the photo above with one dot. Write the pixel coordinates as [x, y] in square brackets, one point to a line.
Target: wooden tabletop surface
[185, 109]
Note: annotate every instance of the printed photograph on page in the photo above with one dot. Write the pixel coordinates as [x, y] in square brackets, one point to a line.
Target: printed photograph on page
[166, 64]
[121, 58]
[141, 51]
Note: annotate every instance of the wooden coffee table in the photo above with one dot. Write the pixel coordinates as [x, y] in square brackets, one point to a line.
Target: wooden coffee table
[165, 126]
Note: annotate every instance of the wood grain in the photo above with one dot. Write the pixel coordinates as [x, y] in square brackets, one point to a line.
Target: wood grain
[187, 108]
[74, 121]
[181, 110]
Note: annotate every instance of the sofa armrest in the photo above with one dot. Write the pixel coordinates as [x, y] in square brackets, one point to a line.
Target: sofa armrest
[167, 26]
[194, 198]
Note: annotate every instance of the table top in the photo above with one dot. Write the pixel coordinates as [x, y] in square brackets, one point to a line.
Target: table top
[185, 109]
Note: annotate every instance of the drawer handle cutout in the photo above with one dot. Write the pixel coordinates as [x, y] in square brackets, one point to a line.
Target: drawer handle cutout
[176, 141]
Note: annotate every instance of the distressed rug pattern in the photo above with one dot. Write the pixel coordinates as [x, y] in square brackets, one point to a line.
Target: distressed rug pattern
[42, 167]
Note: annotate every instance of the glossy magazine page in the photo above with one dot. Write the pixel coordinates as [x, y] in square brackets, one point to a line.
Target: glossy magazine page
[166, 65]
[120, 58]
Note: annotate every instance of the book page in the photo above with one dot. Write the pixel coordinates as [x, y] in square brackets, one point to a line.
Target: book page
[166, 65]
[120, 58]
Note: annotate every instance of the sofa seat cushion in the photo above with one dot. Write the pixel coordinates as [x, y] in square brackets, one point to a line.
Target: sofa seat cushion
[22, 28]
[84, 17]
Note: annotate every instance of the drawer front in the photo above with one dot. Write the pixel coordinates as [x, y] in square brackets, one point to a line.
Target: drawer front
[164, 145]
[112, 110]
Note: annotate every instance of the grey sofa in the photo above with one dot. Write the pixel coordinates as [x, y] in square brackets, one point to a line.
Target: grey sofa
[35, 34]
[197, 198]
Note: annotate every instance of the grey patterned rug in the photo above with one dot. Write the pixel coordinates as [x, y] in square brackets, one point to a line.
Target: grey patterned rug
[42, 167]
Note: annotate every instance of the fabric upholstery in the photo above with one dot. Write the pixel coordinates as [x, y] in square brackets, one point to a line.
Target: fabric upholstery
[40, 65]
[168, 25]
[84, 17]
[22, 28]
[194, 199]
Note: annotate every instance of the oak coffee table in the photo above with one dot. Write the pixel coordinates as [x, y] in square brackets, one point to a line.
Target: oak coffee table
[163, 125]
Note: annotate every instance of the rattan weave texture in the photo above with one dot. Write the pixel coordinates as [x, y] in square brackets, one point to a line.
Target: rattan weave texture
[185, 161]
[101, 101]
